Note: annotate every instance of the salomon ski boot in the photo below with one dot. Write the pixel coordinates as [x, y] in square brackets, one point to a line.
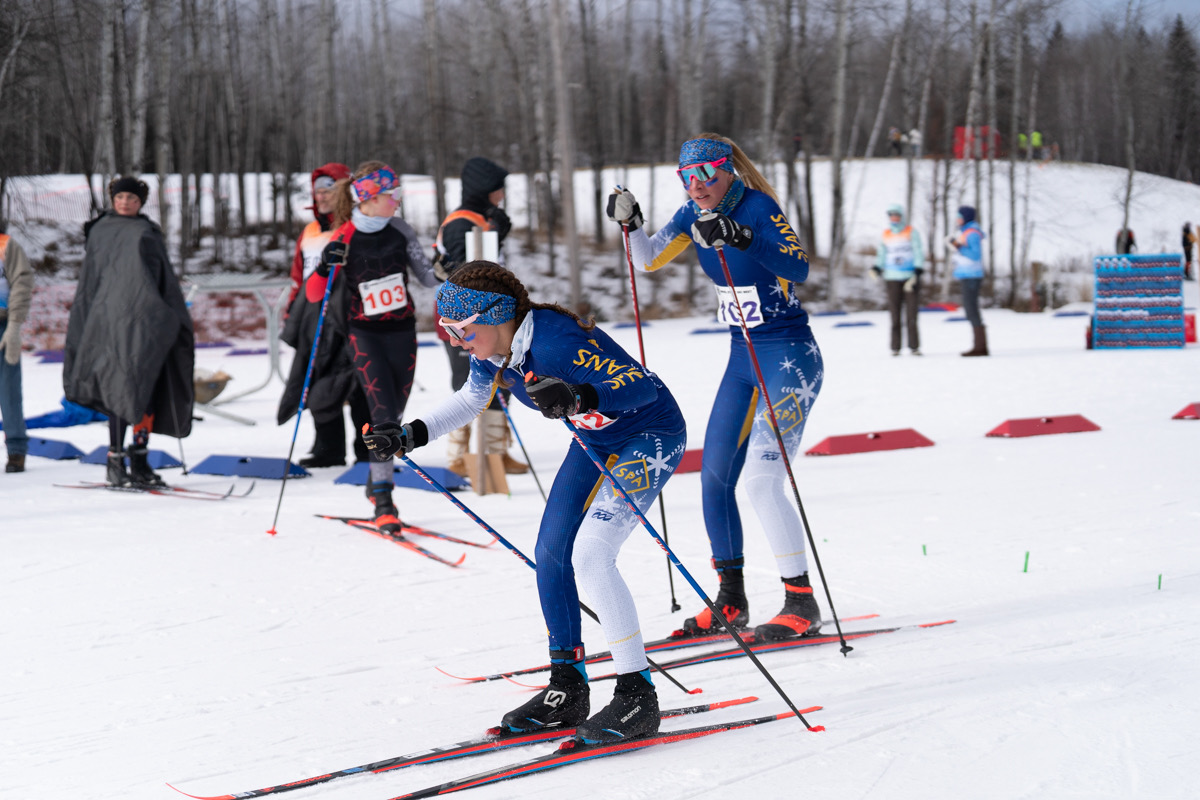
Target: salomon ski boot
[800, 615]
[564, 703]
[387, 517]
[633, 712]
[117, 476]
[139, 467]
[731, 600]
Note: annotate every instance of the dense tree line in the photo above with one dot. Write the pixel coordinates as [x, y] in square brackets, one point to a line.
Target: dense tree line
[276, 86]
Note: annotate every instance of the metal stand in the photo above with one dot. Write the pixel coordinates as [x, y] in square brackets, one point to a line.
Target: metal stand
[256, 285]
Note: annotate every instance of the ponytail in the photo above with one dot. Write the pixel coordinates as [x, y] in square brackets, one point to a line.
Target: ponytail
[745, 167]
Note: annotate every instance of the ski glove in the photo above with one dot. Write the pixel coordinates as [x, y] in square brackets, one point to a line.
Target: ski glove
[389, 439]
[952, 240]
[334, 255]
[558, 399]
[499, 221]
[876, 273]
[11, 342]
[624, 208]
[717, 230]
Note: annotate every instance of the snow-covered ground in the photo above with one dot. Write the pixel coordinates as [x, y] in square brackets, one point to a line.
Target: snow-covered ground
[150, 639]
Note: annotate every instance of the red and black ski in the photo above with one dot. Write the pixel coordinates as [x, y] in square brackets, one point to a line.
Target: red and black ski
[658, 645]
[573, 752]
[165, 491]
[405, 527]
[495, 739]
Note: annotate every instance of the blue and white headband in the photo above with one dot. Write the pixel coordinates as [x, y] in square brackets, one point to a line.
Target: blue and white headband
[458, 302]
[699, 151]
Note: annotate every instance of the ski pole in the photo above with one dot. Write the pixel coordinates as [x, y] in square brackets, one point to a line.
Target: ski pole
[312, 359]
[637, 319]
[620, 490]
[787, 463]
[513, 549]
[528, 460]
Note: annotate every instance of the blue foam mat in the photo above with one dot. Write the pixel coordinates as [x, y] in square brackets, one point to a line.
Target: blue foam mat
[250, 467]
[860, 324]
[52, 448]
[401, 476]
[156, 458]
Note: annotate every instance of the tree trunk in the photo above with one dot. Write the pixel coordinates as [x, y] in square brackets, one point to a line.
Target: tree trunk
[1013, 133]
[435, 106]
[566, 148]
[841, 50]
[141, 106]
[105, 143]
[991, 141]
[893, 62]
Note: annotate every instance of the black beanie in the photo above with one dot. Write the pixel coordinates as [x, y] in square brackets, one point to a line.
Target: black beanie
[126, 183]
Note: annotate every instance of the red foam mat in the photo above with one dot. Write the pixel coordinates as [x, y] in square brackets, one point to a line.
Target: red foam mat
[690, 461]
[869, 442]
[1191, 412]
[1040, 426]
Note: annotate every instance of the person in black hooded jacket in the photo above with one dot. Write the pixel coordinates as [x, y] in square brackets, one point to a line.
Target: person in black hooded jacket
[482, 194]
[130, 348]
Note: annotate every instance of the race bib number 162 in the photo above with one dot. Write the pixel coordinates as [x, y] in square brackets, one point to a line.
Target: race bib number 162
[747, 298]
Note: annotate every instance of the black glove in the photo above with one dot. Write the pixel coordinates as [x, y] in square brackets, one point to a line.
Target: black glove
[334, 254]
[718, 230]
[389, 439]
[918, 272]
[623, 208]
[499, 221]
[558, 399]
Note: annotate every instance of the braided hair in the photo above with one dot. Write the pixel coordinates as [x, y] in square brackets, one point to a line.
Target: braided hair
[487, 276]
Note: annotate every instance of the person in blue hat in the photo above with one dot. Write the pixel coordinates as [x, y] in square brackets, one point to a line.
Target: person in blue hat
[568, 368]
[967, 251]
[732, 206]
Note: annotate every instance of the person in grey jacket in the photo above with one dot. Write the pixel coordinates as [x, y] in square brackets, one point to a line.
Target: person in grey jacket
[16, 291]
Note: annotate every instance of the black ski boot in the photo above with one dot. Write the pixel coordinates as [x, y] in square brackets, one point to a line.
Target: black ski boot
[139, 467]
[800, 615]
[731, 600]
[116, 475]
[329, 449]
[633, 712]
[563, 703]
[387, 517]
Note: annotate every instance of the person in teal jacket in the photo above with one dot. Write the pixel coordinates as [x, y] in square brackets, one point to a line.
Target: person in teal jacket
[967, 244]
[901, 260]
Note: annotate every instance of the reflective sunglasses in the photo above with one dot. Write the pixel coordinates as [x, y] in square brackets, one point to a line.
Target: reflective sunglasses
[457, 330]
[704, 172]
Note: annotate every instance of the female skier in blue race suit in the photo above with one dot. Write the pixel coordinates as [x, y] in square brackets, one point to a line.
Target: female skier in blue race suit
[732, 206]
[626, 415]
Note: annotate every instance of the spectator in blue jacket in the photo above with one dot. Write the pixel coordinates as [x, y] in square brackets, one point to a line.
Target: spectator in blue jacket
[968, 269]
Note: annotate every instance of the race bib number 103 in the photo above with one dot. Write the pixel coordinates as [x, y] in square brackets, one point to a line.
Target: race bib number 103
[383, 295]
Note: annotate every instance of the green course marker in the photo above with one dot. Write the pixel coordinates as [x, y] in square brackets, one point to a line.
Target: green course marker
[1026, 562]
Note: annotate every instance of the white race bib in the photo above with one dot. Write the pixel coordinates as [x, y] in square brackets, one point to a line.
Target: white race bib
[747, 298]
[591, 421]
[383, 295]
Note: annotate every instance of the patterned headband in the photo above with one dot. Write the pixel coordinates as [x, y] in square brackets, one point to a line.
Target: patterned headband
[373, 183]
[699, 151]
[458, 302]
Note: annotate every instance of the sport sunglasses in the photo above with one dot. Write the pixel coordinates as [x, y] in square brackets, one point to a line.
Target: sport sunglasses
[457, 330]
[704, 172]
